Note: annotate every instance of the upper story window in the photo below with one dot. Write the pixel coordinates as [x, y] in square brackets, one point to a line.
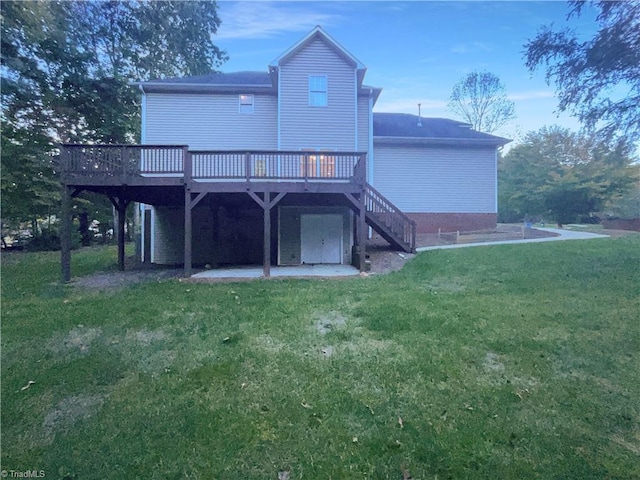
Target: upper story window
[318, 90]
[246, 103]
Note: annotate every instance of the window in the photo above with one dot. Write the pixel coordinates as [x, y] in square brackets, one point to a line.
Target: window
[318, 91]
[246, 103]
[322, 165]
[260, 167]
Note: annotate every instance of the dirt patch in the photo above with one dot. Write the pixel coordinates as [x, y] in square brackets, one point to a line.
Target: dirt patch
[145, 337]
[445, 285]
[79, 340]
[70, 411]
[327, 351]
[492, 362]
[329, 322]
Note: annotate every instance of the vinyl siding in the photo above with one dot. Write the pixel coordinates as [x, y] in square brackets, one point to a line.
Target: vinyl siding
[168, 245]
[289, 235]
[210, 122]
[437, 179]
[304, 126]
[169, 236]
[363, 124]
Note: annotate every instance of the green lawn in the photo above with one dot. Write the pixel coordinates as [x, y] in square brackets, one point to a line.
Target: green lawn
[515, 361]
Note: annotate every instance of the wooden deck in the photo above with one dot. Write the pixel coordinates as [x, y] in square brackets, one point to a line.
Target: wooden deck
[103, 166]
[173, 174]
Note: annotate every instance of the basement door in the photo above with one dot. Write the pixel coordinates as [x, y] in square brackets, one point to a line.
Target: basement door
[321, 238]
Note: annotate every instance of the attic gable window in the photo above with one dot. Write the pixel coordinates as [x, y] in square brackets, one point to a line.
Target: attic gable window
[246, 103]
[318, 91]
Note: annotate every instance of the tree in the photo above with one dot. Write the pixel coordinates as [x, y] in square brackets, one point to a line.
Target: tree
[480, 99]
[559, 174]
[66, 73]
[597, 80]
[29, 188]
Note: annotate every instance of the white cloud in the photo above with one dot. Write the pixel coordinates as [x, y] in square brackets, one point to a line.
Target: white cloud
[260, 20]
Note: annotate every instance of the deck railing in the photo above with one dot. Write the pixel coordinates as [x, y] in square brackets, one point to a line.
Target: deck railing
[122, 160]
[176, 160]
[279, 165]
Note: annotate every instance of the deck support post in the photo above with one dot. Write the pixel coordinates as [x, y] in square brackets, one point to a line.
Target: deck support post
[65, 235]
[266, 267]
[362, 233]
[267, 204]
[187, 231]
[120, 204]
[188, 176]
[122, 215]
[360, 208]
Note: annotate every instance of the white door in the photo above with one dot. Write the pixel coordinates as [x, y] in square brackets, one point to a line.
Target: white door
[321, 238]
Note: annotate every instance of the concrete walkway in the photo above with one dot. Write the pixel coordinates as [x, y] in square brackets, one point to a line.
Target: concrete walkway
[563, 235]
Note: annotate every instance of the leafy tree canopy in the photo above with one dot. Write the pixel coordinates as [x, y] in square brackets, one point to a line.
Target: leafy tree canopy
[598, 79]
[480, 99]
[66, 73]
[562, 175]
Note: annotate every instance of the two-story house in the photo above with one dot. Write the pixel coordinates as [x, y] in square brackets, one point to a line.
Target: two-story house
[288, 166]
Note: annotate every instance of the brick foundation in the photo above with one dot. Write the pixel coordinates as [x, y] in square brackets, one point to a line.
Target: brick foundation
[453, 222]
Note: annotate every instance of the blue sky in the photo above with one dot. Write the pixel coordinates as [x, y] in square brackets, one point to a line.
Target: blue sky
[415, 50]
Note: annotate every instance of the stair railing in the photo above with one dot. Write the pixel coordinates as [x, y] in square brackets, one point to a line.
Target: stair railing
[402, 227]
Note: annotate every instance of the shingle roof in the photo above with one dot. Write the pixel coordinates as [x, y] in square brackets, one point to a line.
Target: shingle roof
[243, 82]
[217, 78]
[405, 126]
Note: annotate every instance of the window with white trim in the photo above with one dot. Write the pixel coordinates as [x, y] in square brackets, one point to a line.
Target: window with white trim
[318, 91]
[246, 103]
[318, 165]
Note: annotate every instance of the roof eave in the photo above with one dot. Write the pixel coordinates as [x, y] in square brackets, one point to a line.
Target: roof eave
[393, 140]
[151, 87]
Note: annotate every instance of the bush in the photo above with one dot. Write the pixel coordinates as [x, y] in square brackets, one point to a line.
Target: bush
[50, 241]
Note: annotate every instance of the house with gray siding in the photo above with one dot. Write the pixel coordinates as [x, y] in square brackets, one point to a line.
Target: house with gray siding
[287, 166]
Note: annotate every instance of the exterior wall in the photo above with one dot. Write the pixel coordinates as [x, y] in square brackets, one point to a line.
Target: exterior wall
[451, 180]
[210, 122]
[304, 126]
[169, 236]
[168, 242]
[289, 251]
[363, 124]
[453, 222]
[239, 236]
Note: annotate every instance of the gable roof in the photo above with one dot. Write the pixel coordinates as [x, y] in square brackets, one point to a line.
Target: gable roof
[403, 128]
[256, 81]
[318, 33]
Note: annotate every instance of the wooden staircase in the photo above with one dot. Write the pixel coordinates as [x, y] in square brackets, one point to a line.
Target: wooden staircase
[389, 221]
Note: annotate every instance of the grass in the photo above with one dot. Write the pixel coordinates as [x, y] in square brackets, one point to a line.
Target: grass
[493, 362]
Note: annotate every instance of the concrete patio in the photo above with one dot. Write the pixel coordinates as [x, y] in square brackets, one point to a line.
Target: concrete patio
[294, 271]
